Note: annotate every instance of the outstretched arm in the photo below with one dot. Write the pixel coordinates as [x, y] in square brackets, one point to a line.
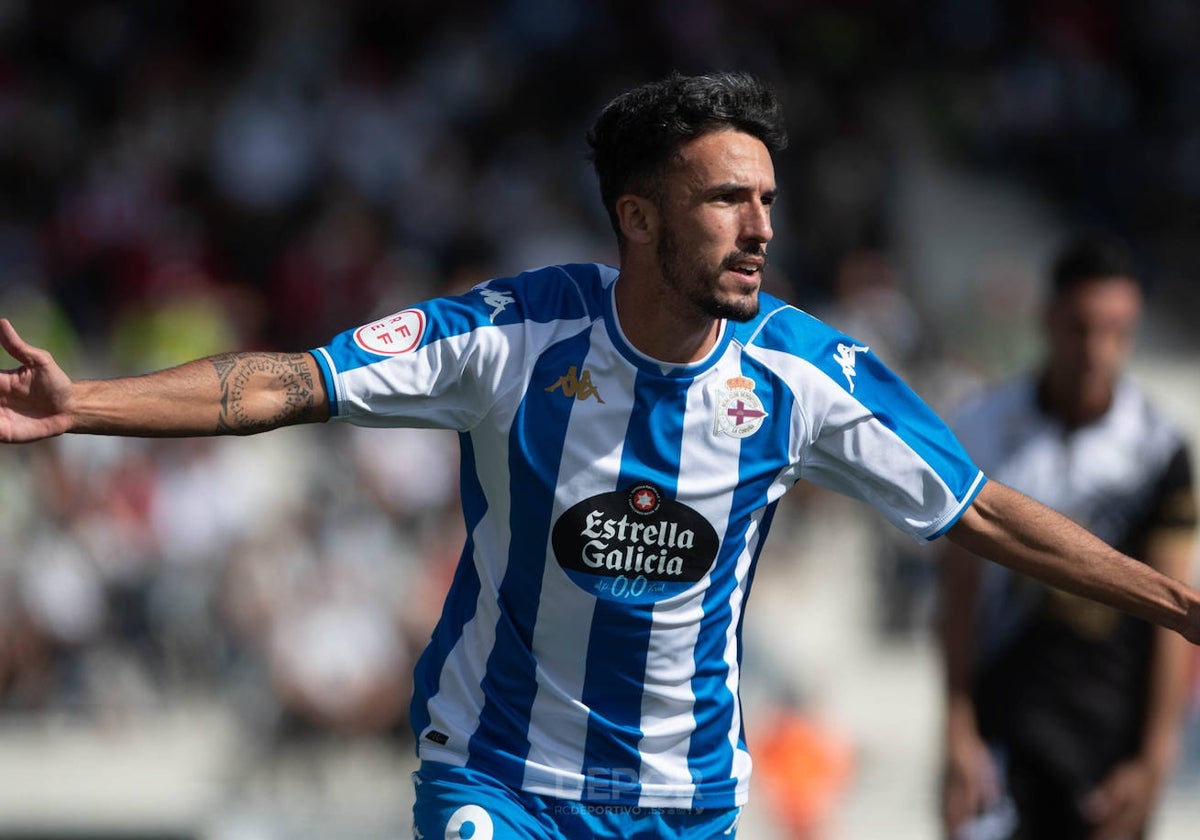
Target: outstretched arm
[1014, 530]
[234, 393]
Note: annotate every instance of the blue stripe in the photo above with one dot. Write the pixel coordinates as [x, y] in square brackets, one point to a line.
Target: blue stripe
[560, 292]
[594, 284]
[459, 607]
[620, 633]
[763, 454]
[900, 409]
[535, 452]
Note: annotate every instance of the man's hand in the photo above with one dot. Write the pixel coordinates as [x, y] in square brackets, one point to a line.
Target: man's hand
[970, 783]
[35, 397]
[1118, 807]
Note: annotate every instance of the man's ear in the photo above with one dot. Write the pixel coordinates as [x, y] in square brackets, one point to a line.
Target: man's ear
[638, 217]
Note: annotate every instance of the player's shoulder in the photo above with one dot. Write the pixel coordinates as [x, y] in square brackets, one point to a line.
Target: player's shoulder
[813, 354]
[547, 293]
[784, 327]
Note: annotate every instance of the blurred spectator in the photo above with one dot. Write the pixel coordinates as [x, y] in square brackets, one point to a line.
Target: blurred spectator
[1064, 718]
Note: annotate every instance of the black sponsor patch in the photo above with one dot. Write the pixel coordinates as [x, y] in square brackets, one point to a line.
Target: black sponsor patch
[634, 545]
[437, 737]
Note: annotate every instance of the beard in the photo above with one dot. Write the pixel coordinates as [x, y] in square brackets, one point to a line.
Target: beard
[700, 284]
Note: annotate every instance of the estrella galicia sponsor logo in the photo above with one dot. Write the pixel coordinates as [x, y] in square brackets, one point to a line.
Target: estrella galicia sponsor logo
[634, 545]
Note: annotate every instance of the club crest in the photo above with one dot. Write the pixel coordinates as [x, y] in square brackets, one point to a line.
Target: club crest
[739, 412]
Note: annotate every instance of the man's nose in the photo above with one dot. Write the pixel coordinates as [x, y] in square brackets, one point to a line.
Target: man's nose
[757, 224]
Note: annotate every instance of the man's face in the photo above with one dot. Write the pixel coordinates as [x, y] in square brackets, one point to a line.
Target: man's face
[716, 221]
[1091, 332]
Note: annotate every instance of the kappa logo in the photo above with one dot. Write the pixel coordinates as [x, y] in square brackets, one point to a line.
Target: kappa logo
[575, 386]
[499, 301]
[845, 356]
[740, 412]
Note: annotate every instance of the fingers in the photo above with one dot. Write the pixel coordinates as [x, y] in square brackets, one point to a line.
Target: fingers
[959, 805]
[9, 340]
[1118, 806]
[15, 346]
[971, 784]
[961, 799]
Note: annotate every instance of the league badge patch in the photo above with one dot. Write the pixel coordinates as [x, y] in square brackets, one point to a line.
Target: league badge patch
[739, 412]
[391, 336]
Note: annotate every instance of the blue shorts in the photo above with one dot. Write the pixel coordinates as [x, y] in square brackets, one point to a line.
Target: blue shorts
[454, 803]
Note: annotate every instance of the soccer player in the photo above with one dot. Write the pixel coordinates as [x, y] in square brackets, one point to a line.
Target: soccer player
[626, 434]
[1063, 716]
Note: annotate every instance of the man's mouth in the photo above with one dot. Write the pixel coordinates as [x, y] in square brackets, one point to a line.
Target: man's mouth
[746, 264]
[747, 268]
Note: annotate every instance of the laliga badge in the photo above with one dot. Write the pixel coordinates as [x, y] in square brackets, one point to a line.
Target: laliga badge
[739, 412]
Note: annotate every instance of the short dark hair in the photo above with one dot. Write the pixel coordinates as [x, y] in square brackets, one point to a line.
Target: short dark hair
[639, 132]
[1090, 257]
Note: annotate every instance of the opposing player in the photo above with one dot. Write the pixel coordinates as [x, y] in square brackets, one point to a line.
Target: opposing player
[626, 434]
[1061, 713]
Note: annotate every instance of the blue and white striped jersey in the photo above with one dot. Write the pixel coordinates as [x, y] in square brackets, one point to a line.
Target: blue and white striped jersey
[589, 646]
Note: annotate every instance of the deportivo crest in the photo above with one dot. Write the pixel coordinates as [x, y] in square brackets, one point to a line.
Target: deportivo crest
[393, 335]
[740, 412]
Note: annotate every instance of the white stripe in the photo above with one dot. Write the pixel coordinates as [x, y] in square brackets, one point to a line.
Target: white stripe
[558, 719]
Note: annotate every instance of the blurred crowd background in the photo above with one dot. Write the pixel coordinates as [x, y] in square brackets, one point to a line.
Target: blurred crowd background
[180, 178]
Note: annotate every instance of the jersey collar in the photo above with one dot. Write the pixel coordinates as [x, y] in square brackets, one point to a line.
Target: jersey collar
[651, 365]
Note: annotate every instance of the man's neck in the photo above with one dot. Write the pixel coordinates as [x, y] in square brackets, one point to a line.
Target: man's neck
[667, 330]
[1071, 405]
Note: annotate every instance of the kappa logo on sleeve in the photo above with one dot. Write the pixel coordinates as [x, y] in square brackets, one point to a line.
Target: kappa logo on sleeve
[393, 335]
[845, 356]
[497, 300]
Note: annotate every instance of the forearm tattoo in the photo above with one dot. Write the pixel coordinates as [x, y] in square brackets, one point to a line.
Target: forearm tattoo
[245, 377]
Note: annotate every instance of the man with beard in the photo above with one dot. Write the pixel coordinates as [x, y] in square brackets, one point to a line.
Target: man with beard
[626, 436]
